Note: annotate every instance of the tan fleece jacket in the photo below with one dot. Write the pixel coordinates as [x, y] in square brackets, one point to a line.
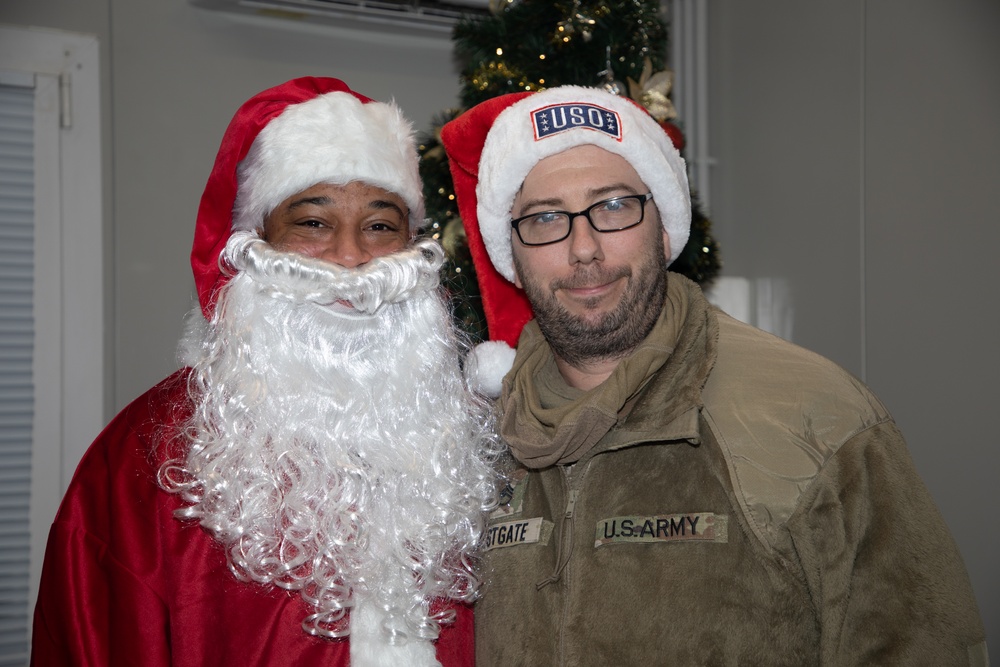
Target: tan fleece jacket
[745, 502]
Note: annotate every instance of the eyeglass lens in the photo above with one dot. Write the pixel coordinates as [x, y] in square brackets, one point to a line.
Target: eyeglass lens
[608, 215]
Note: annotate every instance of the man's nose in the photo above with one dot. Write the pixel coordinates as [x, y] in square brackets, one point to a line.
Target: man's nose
[584, 241]
[347, 250]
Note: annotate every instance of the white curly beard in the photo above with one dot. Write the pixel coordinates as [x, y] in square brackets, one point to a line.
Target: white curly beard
[335, 450]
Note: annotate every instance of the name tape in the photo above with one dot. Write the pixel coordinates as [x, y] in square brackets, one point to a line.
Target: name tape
[512, 533]
[699, 527]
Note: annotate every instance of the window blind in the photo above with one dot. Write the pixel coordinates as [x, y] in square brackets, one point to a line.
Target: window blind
[16, 354]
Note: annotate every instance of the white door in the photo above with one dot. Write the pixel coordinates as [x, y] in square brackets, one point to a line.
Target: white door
[51, 301]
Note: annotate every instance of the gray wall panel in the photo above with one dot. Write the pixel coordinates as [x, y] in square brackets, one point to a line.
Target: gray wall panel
[857, 148]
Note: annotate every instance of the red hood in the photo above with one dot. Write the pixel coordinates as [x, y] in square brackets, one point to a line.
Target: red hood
[506, 307]
[215, 213]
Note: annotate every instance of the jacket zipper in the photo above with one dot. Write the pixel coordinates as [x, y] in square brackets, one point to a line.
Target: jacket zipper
[562, 543]
[566, 544]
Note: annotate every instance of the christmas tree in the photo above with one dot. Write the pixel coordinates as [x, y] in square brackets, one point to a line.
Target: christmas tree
[535, 44]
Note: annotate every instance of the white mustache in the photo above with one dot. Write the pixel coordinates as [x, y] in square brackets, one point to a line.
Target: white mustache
[384, 280]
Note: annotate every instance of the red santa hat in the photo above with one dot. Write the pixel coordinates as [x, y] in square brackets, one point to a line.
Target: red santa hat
[492, 147]
[288, 138]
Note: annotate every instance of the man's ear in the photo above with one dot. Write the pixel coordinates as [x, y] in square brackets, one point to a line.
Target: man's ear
[666, 245]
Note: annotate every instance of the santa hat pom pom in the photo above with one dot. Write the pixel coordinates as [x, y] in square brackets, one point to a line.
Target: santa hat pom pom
[486, 366]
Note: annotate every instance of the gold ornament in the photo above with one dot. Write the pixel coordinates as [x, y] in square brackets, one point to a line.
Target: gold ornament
[583, 20]
[577, 22]
[652, 91]
[453, 236]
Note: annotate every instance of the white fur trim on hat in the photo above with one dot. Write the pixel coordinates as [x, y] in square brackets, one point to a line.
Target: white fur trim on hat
[333, 138]
[557, 119]
[486, 365]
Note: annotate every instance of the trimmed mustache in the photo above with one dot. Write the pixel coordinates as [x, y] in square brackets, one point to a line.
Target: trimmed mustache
[591, 276]
[385, 280]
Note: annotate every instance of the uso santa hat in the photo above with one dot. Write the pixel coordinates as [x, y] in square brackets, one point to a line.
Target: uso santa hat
[492, 147]
[288, 138]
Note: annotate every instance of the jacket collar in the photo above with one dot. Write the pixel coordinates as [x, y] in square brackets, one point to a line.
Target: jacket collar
[653, 395]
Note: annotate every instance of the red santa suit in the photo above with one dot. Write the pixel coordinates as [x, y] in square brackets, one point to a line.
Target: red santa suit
[125, 581]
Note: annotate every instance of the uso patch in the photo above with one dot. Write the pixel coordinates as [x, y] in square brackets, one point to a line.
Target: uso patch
[552, 120]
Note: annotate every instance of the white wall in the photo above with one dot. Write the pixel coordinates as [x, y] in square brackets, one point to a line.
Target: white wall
[857, 148]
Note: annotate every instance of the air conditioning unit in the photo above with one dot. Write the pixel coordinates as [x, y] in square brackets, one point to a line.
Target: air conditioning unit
[435, 16]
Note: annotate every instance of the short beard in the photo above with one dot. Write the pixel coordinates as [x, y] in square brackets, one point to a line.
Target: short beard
[337, 451]
[579, 342]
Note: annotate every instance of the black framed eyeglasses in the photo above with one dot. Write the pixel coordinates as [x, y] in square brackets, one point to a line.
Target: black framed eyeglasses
[608, 215]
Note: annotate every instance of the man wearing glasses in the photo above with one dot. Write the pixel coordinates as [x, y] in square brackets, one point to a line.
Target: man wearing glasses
[686, 489]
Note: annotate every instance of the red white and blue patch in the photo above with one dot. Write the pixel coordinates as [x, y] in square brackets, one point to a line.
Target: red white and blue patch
[557, 118]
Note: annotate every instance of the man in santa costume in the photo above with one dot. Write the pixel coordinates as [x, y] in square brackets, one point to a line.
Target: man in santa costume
[310, 488]
[691, 490]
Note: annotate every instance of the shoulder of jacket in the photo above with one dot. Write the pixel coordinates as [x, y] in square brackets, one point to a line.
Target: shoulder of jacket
[779, 412]
[139, 435]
